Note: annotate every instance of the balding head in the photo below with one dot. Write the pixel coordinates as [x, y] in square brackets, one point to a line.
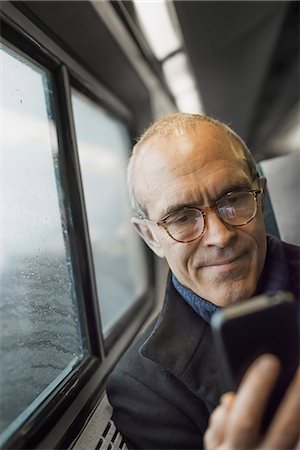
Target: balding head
[177, 125]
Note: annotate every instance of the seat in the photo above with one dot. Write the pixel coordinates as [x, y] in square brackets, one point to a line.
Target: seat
[282, 203]
[100, 432]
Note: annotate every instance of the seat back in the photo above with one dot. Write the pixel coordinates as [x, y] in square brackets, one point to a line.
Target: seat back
[282, 208]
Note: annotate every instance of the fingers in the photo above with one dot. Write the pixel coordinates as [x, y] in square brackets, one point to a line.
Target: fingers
[284, 431]
[235, 424]
[215, 434]
[227, 399]
[245, 418]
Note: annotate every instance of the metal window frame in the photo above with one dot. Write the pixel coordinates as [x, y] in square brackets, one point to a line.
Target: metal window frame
[72, 401]
[118, 327]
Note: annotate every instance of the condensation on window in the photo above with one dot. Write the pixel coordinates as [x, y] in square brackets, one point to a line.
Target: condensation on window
[41, 336]
[118, 254]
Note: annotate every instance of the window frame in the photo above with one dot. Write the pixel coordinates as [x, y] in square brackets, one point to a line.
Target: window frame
[121, 324]
[71, 403]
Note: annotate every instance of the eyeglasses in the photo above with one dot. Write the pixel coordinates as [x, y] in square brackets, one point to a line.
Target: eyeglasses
[235, 208]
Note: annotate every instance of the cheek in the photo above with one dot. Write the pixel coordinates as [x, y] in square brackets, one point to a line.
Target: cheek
[257, 237]
[261, 253]
[179, 256]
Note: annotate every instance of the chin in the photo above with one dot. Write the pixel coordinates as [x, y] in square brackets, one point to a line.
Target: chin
[231, 296]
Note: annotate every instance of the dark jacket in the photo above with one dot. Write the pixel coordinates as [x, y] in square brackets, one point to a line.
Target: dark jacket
[167, 384]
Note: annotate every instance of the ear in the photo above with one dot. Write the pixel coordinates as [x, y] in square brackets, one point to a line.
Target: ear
[146, 231]
[262, 183]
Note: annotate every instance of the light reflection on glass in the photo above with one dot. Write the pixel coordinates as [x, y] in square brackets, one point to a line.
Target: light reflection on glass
[119, 259]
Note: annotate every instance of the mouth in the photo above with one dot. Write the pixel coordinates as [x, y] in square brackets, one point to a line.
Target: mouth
[227, 264]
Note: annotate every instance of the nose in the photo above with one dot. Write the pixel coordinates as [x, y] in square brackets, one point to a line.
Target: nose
[217, 233]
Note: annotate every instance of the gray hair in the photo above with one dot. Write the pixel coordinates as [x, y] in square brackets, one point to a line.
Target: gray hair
[166, 126]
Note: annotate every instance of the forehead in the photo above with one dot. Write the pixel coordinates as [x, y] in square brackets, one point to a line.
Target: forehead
[181, 166]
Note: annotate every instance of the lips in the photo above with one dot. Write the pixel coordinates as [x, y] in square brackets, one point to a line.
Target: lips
[224, 262]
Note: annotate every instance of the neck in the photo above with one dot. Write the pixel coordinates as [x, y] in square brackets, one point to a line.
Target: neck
[200, 305]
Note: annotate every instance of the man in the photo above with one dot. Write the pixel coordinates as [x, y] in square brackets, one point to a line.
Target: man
[197, 201]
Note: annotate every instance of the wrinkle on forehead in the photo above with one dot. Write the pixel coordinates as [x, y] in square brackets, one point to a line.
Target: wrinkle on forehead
[180, 154]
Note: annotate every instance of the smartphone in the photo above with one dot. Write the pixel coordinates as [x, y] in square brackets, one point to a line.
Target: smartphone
[263, 324]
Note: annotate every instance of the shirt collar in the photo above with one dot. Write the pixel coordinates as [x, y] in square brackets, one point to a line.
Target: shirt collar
[203, 307]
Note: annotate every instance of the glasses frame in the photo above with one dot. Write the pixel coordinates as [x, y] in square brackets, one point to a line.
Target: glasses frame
[203, 211]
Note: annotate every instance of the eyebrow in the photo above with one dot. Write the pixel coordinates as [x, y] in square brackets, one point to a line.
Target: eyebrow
[238, 186]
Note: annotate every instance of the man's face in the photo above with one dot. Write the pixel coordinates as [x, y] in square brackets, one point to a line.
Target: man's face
[196, 168]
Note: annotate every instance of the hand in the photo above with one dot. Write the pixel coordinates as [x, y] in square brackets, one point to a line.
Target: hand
[235, 423]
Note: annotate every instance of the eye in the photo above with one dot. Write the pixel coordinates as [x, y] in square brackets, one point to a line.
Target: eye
[234, 199]
[233, 196]
[235, 204]
[179, 218]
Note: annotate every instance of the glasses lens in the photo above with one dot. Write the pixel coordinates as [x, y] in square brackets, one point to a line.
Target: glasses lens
[237, 208]
[185, 225]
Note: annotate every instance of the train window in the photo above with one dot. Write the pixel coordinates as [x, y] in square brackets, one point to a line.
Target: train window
[41, 336]
[118, 255]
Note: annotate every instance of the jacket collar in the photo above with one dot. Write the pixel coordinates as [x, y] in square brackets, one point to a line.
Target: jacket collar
[275, 275]
[181, 342]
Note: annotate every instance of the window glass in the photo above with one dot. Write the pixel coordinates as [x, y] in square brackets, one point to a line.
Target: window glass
[41, 338]
[119, 258]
